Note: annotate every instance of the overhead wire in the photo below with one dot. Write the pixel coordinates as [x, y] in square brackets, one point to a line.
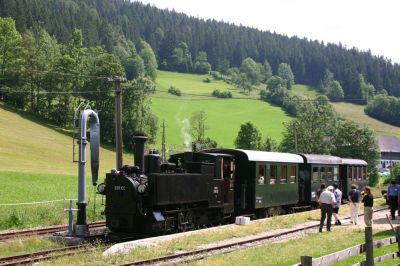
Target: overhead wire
[185, 96]
[32, 71]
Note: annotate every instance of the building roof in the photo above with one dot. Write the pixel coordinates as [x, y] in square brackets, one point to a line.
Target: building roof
[388, 144]
[262, 156]
[321, 159]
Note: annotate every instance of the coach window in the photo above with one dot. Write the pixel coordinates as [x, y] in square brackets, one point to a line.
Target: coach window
[350, 172]
[323, 173]
[273, 170]
[261, 175]
[359, 174]
[335, 173]
[293, 174]
[284, 174]
[355, 172]
[329, 173]
[364, 172]
[315, 174]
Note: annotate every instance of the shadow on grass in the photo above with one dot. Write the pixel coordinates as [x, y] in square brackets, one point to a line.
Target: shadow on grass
[43, 122]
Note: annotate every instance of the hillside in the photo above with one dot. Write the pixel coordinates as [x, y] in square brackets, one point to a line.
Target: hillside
[111, 24]
[224, 116]
[28, 145]
[356, 113]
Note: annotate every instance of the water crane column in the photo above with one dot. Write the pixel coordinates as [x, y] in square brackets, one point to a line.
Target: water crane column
[81, 227]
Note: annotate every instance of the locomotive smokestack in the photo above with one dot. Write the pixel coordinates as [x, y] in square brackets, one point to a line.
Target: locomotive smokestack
[138, 149]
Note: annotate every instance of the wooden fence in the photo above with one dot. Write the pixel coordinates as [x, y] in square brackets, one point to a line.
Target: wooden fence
[367, 247]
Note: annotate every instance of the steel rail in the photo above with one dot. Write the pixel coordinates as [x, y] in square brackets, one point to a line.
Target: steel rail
[43, 231]
[29, 258]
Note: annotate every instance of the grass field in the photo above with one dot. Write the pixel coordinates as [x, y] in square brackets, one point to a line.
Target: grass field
[36, 165]
[47, 196]
[224, 116]
[30, 145]
[356, 113]
[303, 90]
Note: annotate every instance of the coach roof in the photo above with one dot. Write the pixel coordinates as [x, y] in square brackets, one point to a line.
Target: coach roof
[262, 156]
[354, 161]
[321, 159]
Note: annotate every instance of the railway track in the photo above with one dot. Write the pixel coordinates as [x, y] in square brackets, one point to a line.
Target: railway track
[30, 258]
[44, 231]
[226, 248]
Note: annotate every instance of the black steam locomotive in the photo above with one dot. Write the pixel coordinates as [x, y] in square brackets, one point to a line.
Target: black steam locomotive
[210, 187]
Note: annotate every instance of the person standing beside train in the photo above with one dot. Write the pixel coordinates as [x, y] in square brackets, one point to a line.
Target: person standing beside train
[319, 191]
[327, 202]
[338, 197]
[392, 192]
[368, 201]
[354, 201]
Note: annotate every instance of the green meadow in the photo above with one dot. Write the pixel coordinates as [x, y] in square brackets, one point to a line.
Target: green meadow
[355, 112]
[35, 199]
[224, 116]
[35, 166]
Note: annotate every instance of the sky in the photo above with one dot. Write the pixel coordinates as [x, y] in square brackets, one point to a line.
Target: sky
[365, 24]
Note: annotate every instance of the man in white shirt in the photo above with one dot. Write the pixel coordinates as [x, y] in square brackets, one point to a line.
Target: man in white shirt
[338, 197]
[327, 202]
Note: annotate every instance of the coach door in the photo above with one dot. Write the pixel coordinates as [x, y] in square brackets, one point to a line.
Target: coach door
[228, 174]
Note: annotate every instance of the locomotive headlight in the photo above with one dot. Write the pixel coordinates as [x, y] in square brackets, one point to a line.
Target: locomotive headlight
[141, 188]
[101, 188]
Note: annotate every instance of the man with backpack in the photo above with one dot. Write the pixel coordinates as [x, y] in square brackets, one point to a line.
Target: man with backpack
[354, 201]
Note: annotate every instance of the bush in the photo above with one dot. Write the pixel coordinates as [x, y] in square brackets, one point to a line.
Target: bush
[216, 75]
[174, 91]
[385, 108]
[207, 80]
[222, 94]
[291, 104]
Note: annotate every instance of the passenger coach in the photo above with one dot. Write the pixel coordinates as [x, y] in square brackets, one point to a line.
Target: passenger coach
[265, 182]
[317, 169]
[353, 171]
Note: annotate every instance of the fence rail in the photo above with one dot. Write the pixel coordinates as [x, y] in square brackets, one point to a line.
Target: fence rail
[347, 253]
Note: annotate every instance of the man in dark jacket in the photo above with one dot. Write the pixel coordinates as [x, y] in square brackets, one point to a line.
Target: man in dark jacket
[354, 201]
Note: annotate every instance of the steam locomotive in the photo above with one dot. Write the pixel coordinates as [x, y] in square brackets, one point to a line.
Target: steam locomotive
[194, 189]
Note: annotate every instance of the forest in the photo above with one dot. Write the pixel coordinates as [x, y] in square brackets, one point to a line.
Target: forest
[174, 36]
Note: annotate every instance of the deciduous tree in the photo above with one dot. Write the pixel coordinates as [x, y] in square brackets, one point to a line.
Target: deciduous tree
[285, 72]
[249, 137]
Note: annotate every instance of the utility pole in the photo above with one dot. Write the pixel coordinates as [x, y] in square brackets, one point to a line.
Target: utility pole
[295, 136]
[118, 120]
[163, 142]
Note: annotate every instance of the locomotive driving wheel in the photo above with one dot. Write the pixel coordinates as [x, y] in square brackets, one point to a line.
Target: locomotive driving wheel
[185, 221]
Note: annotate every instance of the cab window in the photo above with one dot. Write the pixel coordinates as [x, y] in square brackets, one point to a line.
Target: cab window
[273, 171]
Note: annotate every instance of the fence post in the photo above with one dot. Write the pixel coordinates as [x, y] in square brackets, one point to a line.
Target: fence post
[306, 261]
[369, 248]
[398, 237]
